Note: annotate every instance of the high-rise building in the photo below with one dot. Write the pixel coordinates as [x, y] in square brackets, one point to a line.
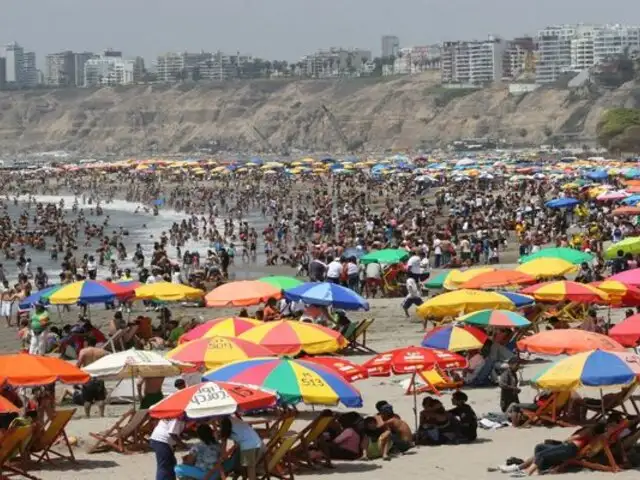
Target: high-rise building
[79, 61]
[390, 46]
[519, 57]
[110, 69]
[60, 69]
[474, 62]
[173, 66]
[30, 75]
[14, 57]
[3, 72]
[615, 40]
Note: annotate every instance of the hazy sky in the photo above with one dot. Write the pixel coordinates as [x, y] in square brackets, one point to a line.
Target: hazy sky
[282, 29]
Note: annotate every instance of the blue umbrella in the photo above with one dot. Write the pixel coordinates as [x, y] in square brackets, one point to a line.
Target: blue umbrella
[632, 200]
[562, 203]
[518, 299]
[326, 294]
[597, 174]
[256, 161]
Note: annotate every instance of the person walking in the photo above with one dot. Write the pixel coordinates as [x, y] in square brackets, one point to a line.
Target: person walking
[39, 326]
[163, 441]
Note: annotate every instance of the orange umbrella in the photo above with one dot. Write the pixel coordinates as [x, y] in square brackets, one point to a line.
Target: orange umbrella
[498, 278]
[626, 211]
[569, 341]
[7, 407]
[241, 294]
[23, 370]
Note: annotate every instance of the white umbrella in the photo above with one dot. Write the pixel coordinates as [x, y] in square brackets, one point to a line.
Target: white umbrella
[135, 363]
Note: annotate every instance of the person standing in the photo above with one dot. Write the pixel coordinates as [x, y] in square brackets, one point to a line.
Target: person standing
[247, 440]
[7, 296]
[163, 441]
[508, 383]
[94, 390]
[39, 326]
[334, 270]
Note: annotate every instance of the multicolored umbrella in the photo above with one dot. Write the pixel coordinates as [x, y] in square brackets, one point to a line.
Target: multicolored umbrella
[569, 254]
[389, 256]
[41, 296]
[286, 337]
[595, 368]
[327, 294]
[463, 301]
[629, 245]
[627, 332]
[168, 292]
[568, 341]
[436, 281]
[498, 278]
[457, 278]
[212, 399]
[620, 294]
[349, 370]
[412, 359]
[242, 294]
[223, 327]
[542, 268]
[87, 291]
[566, 291]
[24, 370]
[455, 338]
[495, 318]
[295, 381]
[211, 352]
[280, 281]
[519, 300]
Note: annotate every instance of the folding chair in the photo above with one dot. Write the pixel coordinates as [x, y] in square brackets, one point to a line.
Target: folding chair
[354, 339]
[277, 461]
[54, 433]
[549, 411]
[613, 404]
[307, 437]
[12, 443]
[114, 341]
[122, 438]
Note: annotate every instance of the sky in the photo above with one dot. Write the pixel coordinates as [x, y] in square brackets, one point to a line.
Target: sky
[282, 29]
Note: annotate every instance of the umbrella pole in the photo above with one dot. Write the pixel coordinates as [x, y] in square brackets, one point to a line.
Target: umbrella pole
[415, 401]
[608, 324]
[133, 387]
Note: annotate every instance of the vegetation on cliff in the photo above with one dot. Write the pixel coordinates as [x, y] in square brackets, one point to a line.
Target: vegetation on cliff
[619, 130]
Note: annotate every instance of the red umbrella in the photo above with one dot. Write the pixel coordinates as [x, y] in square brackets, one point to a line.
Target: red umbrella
[350, 371]
[627, 332]
[411, 360]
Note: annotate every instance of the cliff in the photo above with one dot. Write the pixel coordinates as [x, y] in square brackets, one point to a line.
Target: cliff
[399, 112]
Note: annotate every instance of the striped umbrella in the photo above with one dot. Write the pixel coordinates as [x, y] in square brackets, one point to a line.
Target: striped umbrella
[566, 291]
[295, 381]
[286, 337]
[455, 338]
[214, 351]
[499, 278]
[87, 291]
[349, 370]
[223, 327]
[620, 294]
[495, 318]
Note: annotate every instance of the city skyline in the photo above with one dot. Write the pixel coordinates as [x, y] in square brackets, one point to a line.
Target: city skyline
[282, 29]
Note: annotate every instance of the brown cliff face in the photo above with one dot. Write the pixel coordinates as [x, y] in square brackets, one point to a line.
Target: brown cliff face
[400, 112]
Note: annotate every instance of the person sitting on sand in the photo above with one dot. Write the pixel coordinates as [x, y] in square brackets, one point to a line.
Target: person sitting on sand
[379, 440]
[436, 425]
[466, 418]
[349, 444]
[401, 434]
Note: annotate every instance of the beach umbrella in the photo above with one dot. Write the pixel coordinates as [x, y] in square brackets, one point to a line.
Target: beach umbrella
[457, 278]
[571, 255]
[627, 332]
[632, 200]
[455, 338]
[498, 278]
[135, 363]
[437, 281]
[242, 294]
[460, 302]
[223, 327]
[495, 318]
[41, 296]
[389, 256]
[567, 341]
[327, 294]
[214, 351]
[281, 281]
[87, 291]
[412, 359]
[562, 203]
[625, 211]
[349, 370]
[286, 337]
[7, 407]
[594, 368]
[628, 277]
[295, 381]
[565, 291]
[547, 268]
[629, 245]
[167, 292]
[210, 399]
[25, 370]
[620, 294]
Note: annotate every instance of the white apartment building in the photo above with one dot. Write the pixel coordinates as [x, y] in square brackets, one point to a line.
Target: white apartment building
[474, 62]
[411, 60]
[336, 62]
[613, 40]
[110, 69]
[173, 66]
[390, 46]
[14, 63]
[554, 52]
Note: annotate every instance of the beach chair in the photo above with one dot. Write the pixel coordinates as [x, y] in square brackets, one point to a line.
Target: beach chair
[122, 437]
[307, 437]
[360, 331]
[279, 431]
[10, 444]
[115, 342]
[42, 446]
[277, 461]
[549, 411]
[614, 403]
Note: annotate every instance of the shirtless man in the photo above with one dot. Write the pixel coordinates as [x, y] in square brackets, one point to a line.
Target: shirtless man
[7, 297]
[150, 391]
[94, 390]
[401, 435]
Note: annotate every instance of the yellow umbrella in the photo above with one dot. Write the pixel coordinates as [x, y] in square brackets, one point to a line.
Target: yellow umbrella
[167, 292]
[463, 301]
[547, 268]
[457, 277]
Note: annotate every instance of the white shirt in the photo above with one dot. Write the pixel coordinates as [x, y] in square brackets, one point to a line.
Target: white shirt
[413, 264]
[244, 435]
[176, 278]
[352, 269]
[91, 265]
[412, 288]
[165, 428]
[437, 249]
[334, 269]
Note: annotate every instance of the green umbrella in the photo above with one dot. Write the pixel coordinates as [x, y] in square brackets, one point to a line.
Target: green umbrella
[628, 245]
[437, 281]
[389, 256]
[280, 281]
[569, 254]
